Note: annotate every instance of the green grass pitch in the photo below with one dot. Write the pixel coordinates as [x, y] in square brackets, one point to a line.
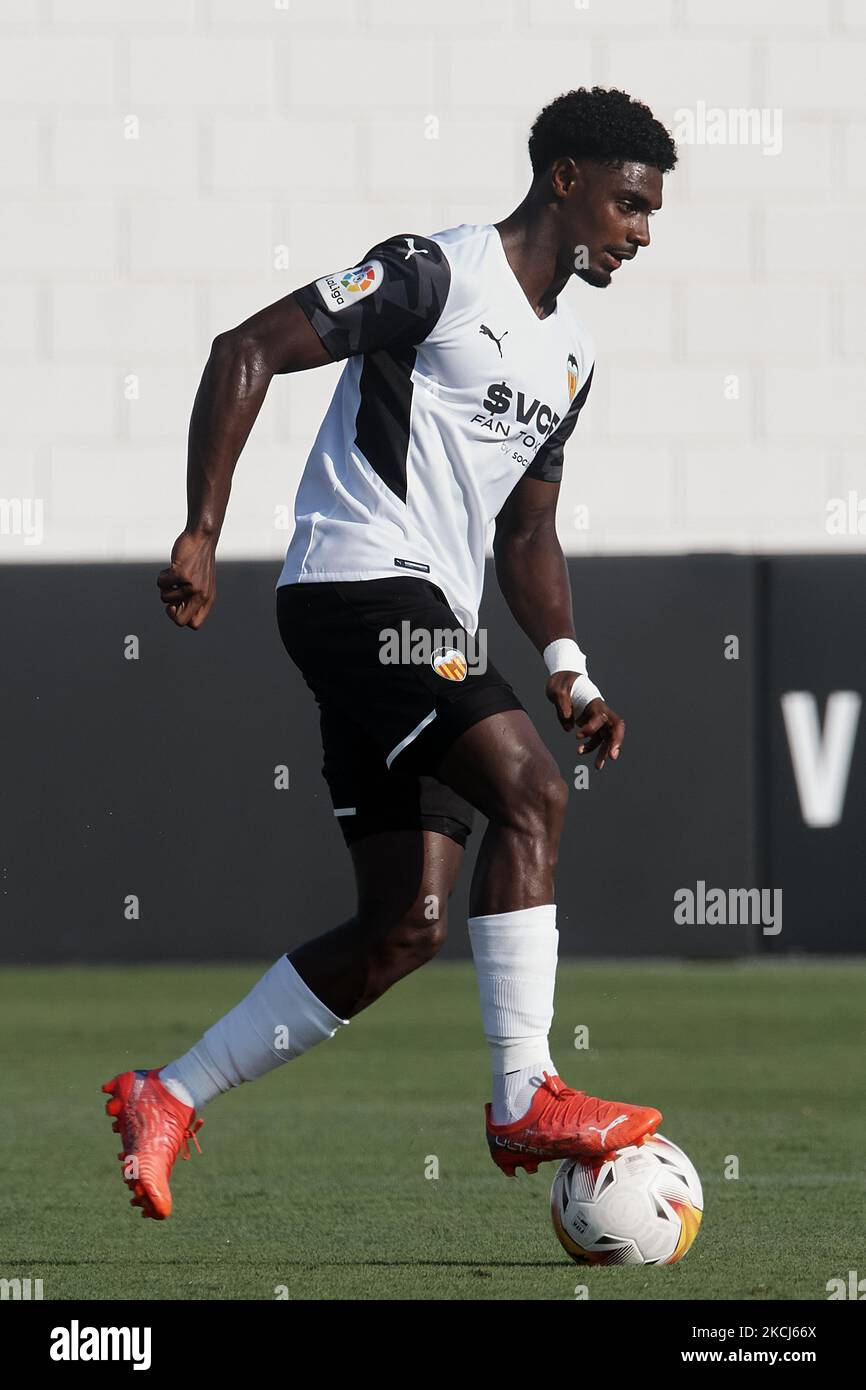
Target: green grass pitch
[313, 1180]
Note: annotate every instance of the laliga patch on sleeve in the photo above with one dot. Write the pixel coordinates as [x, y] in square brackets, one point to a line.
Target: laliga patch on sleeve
[348, 286]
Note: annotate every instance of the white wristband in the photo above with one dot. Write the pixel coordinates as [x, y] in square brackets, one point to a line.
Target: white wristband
[564, 655]
[582, 692]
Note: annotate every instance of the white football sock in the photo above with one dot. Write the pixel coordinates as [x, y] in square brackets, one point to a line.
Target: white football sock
[278, 1020]
[515, 957]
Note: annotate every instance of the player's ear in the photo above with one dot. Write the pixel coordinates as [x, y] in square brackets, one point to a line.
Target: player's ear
[566, 178]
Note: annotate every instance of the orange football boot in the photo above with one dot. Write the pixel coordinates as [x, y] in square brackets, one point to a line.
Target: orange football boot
[155, 1126]
[562, 1123]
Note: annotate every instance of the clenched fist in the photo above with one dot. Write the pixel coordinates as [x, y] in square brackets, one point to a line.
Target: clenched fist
[188, 586]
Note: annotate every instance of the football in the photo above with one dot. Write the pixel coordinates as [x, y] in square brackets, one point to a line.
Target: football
[640, 1206]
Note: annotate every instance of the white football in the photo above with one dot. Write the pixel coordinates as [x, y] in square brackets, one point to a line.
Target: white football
[640, 1206]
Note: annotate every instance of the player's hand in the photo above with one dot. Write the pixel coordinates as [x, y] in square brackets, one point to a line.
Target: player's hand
[188, 586]
[599, 727]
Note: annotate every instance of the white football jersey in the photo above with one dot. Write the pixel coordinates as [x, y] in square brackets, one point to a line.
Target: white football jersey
[454, 389]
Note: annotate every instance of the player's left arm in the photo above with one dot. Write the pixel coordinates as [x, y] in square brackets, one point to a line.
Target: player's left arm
[533, 575]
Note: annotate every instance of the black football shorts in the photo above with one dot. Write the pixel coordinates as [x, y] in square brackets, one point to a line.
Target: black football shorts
[390, 705]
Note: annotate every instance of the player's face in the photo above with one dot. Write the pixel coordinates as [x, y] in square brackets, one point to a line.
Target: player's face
[609, 217]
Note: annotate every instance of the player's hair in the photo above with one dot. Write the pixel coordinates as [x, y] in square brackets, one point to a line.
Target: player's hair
[601, 124]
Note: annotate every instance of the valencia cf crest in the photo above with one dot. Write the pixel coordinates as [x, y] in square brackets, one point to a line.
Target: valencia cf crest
[449, 663]
[572, 372]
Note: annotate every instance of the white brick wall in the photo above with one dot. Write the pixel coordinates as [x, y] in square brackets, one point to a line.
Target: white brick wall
[158, 158]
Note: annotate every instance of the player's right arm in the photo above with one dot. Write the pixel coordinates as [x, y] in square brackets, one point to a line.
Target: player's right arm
[233, 386]
[392, 299]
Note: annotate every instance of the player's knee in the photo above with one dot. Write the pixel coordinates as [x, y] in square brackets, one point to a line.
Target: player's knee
[428, 927]
[423, 931]
[552, 801]
[557, 798]
[409, 938]
[538, 803]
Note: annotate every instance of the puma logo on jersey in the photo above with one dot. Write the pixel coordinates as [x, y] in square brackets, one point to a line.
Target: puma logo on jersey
[413, 249]
[498, 341]
[620, 1119]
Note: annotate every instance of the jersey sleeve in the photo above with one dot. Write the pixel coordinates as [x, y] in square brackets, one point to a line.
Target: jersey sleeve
[392, 298]
[547, 464]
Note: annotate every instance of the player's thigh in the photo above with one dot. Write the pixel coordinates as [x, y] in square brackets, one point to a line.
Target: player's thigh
[502, 767]
[405, 876]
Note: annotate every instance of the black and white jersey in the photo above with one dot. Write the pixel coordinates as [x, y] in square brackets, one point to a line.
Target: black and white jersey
[454, 389]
